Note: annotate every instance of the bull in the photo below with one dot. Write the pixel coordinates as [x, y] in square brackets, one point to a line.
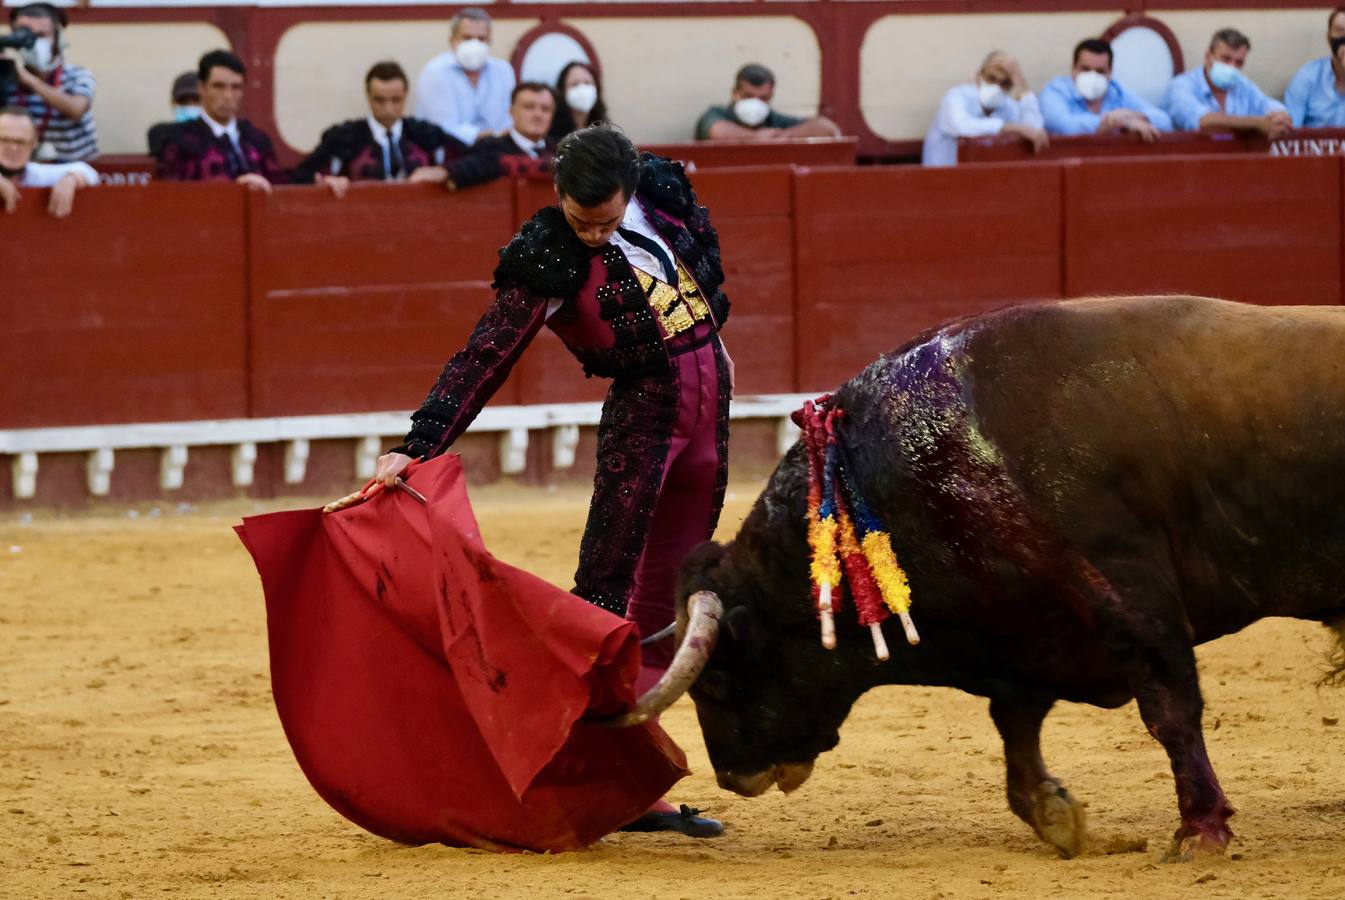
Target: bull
[1080, 492]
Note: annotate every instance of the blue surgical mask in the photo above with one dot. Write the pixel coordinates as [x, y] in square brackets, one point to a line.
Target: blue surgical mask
[1223, 76]
[186, 113]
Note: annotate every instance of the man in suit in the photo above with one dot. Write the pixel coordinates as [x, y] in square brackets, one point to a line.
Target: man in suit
[524, 149]
[385, 145]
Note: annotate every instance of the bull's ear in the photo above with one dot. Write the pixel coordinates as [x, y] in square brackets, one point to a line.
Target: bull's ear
[741, 623]
[698, 572]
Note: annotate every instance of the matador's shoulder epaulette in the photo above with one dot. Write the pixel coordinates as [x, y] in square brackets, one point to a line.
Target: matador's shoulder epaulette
[664, 183]
[545, 256]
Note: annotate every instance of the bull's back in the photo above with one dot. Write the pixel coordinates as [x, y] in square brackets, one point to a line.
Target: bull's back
[1200, 434]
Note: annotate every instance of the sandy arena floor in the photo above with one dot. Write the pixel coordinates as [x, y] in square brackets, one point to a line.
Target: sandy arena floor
[140, 756]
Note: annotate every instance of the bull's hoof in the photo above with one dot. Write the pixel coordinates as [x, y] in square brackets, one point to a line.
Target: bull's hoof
[1059, 819]
[1192, 842]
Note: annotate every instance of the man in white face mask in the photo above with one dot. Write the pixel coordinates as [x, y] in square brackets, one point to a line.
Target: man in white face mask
[465, 90]
[996, 101]
[1218, 97]
[750, 117]
[57, 94]
[1090, 101]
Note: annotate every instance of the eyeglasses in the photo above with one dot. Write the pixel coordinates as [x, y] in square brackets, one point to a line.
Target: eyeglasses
[15, 143]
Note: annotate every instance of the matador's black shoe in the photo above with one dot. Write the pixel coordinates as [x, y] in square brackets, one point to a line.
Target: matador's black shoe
[687, 820]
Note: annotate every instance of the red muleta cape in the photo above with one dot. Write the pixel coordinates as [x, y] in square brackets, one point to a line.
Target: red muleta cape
[433, 693]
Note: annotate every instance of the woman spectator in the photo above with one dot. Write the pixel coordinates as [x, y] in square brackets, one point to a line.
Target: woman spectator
[578, 100]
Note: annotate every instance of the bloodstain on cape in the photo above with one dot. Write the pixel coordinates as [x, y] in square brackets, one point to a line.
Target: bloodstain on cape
[432, 693]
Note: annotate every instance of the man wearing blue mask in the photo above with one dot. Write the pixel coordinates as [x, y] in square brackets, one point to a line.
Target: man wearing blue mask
[1217, 97]
[186, 102]
[1090, 101]
[1316, 96]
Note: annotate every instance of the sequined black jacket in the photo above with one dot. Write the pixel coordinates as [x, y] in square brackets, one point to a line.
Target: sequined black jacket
[604, 317]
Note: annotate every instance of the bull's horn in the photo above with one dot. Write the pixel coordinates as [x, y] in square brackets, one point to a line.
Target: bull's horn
[694, 652]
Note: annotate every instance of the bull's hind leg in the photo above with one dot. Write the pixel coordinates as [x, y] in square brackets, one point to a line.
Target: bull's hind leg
[1034, 795]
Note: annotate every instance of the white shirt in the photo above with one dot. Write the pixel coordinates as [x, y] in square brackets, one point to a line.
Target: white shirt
[381, 137]
[961, 115]
[532, 148]
[231, 130]
[42, 175]
[636, 220]
[446, 96]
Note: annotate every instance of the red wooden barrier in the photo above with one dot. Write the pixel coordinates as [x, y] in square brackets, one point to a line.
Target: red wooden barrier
[132, 309]
[1265, 231]
[886, 253]
[357, 303]
[813, 152]
[1009, 148]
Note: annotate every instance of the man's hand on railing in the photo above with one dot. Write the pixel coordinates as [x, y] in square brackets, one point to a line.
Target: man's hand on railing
[1276, 124]
[339, 185]
[1036, 138]
[9, 194]
[254, 182]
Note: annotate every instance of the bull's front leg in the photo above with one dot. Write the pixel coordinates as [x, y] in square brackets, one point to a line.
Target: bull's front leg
[1034, 795]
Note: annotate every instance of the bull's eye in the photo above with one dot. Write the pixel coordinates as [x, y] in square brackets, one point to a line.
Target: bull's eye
[713, 685]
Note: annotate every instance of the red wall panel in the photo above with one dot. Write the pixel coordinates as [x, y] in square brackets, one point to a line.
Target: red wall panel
[752, 210]
[1259, 230]
[133, 309]
[357, 303]
[885, 253]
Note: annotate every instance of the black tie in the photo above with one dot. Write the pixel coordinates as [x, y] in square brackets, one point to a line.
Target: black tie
[651, 246]
[394, 158]
[233, 158]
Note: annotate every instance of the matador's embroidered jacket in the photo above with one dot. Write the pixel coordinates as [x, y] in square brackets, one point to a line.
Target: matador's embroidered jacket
[606, 320]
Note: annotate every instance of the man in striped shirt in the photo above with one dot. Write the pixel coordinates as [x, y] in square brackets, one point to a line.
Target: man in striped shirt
[58, 95]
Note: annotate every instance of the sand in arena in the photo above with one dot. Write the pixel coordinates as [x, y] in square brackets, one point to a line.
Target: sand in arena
[140, 755]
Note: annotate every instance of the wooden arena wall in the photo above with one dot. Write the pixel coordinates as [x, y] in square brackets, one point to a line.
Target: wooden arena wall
[878, 67]
[173, 302]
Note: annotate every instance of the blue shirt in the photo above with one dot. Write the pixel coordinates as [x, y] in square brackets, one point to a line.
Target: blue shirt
[1189, 98]
[1312, 98]
[446, 97]
[1067, 112]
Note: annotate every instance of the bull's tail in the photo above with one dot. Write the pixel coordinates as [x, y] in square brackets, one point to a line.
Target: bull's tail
[1334, 676]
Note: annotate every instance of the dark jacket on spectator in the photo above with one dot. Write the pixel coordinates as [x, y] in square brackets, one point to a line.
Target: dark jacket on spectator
[349, 149]
[193, 153]
[496, 157]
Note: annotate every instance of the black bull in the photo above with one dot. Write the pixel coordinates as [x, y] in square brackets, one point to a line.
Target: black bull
[1080, 492]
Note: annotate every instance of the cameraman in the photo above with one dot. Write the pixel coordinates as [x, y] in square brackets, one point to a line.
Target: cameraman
[18, 137]
[58, 96]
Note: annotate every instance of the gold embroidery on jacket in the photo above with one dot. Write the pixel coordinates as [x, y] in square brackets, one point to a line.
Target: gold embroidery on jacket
[677, 308]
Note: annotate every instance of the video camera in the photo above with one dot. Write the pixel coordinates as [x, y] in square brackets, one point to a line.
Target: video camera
[22, 39]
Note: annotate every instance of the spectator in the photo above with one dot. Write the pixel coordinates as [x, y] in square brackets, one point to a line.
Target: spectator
[466, 91]
[578, 100]
[523, 150]
[1090, 101]
[996, 101]
[749, 116]
[220, 146]
[186, 102]
[1316, 96]
[58, 95]
[18, 140]
[1218, 98]
[384, 145]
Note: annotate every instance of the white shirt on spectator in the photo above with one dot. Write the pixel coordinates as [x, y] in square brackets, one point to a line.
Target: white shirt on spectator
[381, 138]
[43, 175]
[961, 115]
[231, 130]
[532, 148]
[447, 97]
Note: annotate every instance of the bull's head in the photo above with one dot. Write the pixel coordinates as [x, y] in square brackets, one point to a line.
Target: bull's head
[769, 698]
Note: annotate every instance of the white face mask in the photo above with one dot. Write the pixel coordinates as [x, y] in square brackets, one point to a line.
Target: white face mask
[39, 56]
[1223, 76]
[751, 111]
[582, 97]
[992, 95]
[1091, 85]
[472, 53]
